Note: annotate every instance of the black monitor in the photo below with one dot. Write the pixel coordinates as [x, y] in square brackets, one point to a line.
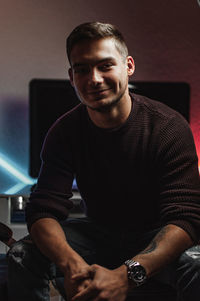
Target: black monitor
[50, 98]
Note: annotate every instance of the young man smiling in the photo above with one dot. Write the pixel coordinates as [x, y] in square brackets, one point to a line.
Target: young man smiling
[135, 165]
[99, 74]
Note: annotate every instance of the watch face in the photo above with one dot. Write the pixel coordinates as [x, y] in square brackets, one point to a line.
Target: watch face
[138, 273]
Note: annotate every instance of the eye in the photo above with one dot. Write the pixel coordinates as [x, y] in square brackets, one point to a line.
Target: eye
[81, 69]
[106, 66]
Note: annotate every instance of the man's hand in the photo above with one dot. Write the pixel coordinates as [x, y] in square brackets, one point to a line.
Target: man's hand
[73, 286]
[111, 285]
[50, 239]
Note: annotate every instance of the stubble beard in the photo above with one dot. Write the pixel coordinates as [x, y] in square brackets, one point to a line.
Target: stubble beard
[107, 107]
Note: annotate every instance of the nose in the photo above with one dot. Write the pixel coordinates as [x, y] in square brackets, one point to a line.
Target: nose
[95, 77]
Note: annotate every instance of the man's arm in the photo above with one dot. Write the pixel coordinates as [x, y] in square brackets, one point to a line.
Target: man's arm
[50, 239]
[113, 285]
[166, 246]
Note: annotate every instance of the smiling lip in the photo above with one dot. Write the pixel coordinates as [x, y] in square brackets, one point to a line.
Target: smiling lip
[98, 91]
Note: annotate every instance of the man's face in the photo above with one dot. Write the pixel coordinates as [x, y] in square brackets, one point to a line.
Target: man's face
[99, 73]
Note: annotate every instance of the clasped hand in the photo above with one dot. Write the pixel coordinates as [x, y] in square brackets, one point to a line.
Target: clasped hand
[99, 283]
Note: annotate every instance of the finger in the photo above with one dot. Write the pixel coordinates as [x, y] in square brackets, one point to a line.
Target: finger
[83, 284]
[85, 294]
[80, 276]
[83, 275]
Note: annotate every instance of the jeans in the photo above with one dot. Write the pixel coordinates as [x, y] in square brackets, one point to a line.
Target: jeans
[29, 271]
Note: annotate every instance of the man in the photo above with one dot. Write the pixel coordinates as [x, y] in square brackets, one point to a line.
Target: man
[135, 165]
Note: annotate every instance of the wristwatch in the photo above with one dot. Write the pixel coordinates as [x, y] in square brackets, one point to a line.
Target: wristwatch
[136, 272]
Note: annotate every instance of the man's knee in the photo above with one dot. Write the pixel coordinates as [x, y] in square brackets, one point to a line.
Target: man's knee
[188, 274]
[19, 250]
[24, 255]
[190, 259]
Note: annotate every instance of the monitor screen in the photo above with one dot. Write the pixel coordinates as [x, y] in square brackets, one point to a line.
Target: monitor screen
[49, 99]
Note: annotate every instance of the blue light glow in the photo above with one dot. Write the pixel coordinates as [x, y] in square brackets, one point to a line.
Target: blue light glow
[6, 164]
[11, 168]
[14, 189]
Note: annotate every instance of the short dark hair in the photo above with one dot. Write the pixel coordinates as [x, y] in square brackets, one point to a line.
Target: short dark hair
[94, 31]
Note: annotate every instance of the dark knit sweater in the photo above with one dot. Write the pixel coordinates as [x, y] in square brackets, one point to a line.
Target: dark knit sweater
[139, 176]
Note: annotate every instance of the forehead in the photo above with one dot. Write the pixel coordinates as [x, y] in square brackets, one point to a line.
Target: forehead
[95, 50]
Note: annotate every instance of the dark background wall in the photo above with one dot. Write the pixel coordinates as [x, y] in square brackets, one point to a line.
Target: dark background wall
[163, 37]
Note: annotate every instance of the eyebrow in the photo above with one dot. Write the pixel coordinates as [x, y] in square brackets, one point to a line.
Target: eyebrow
[110, 58]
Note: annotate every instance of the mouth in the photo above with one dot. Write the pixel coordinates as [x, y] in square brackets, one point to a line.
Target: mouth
[98, 92]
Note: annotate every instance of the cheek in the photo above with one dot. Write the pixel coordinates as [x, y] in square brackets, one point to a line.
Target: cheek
[78, 85]
[78, 89]
[112, 79]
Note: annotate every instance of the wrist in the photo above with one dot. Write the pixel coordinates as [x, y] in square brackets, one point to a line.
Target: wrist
[72, 263]
[67, 260]
[123, 275]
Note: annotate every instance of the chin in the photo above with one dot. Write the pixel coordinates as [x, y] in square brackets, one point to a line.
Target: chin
[103, 105]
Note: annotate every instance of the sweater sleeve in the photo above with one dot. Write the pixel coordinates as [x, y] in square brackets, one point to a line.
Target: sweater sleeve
[51, 197]
[179, 180]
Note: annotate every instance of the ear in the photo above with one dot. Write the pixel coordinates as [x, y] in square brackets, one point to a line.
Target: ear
[130, 65]
[70, 73]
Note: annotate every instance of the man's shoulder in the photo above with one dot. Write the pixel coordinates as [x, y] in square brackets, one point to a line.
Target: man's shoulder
[73, 114]
[71, 118]
[157, 110]
[165, 125]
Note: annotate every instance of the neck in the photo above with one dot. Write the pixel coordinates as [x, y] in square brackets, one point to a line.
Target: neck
[113, 116]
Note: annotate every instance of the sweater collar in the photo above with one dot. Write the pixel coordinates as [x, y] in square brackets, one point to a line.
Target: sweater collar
[118, 129]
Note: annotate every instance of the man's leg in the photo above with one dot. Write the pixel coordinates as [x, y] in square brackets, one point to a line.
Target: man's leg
[96, 244]
[80, 233]
[29, 272]
[184, 275]
[188, 275]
